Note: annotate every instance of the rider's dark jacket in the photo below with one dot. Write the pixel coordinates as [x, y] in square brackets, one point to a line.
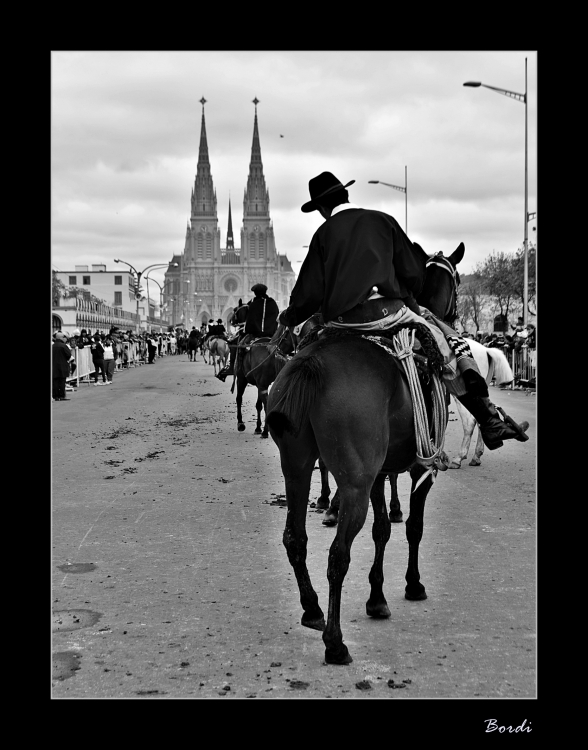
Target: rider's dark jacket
[262, 318]
[355, 250]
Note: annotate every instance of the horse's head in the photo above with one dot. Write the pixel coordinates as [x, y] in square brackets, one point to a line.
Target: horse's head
[439, 292]
[284, 339]
[240, 315]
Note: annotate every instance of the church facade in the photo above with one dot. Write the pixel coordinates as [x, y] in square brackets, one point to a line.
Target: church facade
[209, 279]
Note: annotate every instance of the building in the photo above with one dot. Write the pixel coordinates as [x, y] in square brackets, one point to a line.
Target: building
[209, 279]
[113, 302]
[114, 288]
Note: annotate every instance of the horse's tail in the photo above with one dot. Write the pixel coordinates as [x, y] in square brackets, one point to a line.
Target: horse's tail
[499, 367]
[301, 389]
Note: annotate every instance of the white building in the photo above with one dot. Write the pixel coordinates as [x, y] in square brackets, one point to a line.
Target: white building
[115, 288]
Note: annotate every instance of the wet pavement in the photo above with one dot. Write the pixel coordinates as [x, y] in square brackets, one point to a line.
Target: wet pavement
[170, 579]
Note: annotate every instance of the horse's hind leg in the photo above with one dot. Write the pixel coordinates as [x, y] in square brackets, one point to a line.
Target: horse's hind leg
[376, 605]
[469, 423]
[395, 510]
[241, 385]
[352, 514]
[414, 589]
[323, 500]
[477, 457]
[297, 470]
[259, 405]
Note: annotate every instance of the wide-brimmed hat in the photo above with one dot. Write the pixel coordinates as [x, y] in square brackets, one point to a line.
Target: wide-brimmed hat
[322, 185]
[259, 289]
[220, 320]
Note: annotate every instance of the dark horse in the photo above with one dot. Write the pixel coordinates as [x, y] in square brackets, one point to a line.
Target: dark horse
[194, 343]
[345, 399]
[439, 295]
[260, 361]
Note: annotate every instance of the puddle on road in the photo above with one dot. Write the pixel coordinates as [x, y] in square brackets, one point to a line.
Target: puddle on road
[64, 664]
[77, 567]
[74, 619]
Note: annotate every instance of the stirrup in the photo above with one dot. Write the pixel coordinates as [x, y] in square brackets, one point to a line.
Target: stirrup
[518, 428]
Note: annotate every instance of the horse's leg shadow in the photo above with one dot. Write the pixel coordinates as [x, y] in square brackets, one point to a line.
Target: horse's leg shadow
[414, 589]
[376, 605]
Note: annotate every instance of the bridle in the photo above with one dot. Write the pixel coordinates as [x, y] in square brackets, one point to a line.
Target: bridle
[274, 348]
[450, 314]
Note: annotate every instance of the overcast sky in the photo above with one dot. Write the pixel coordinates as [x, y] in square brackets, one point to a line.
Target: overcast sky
[125, 129]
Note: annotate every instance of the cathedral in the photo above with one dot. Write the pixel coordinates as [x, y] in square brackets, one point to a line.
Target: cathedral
[209, 280]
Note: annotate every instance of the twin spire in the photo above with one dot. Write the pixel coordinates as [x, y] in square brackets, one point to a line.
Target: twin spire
[256, 198]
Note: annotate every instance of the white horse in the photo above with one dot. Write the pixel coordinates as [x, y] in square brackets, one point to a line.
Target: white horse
[492, 363]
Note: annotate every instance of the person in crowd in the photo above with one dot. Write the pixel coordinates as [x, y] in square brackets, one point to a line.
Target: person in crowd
[84, 339]
[98, 359]
[220, 330]
[531, 334]
[152, 348]
[360, 256]
[109, 358]
[60, 356]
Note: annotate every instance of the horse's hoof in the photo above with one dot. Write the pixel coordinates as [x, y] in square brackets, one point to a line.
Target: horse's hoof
[396, 517]
[330, 519]
[316, 623]
[258, 430]
[340, 656]
[263, 435]
[377, 611]
[475, 462]
[454, 465]
[241, 427]
[322, 504]
[417, 595]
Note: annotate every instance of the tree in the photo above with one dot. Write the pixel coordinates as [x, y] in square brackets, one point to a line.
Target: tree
[470, 302]
[519, 275]
[499, 278]
[76, 291]
[57, 289]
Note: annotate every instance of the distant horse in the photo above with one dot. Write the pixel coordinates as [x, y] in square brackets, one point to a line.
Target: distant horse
[346, 399]
[219, 351]
[261, 361]
[193, 346]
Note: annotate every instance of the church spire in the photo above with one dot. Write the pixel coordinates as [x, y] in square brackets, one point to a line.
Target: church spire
[230, 240]
[204, 194]
[256, 201]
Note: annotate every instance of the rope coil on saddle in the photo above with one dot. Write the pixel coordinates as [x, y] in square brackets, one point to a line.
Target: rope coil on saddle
[429, 449]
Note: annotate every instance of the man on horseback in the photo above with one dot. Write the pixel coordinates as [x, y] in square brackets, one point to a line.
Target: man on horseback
[363, 273]
[261, 321]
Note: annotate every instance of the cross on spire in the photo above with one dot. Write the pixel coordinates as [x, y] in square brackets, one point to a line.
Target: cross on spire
[256, 102]
[203, 102]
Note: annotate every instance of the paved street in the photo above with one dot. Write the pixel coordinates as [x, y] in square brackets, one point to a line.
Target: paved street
[170, 579]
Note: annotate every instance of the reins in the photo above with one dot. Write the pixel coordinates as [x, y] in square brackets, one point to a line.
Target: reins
[273, 350]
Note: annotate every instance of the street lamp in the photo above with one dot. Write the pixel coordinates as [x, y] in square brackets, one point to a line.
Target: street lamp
[139, 274]
[519, 98]
[402, 190]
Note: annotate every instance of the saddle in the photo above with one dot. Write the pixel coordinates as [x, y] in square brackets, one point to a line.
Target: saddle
[427, 356]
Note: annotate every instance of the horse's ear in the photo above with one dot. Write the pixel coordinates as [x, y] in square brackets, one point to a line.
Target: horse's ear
[457, 255]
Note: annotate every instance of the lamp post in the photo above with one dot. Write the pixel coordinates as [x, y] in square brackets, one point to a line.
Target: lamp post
[402, 190]
[139, 274]
[519, 98]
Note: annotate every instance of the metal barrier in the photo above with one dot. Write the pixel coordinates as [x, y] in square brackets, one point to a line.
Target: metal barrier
[85, 368]
[524, 367]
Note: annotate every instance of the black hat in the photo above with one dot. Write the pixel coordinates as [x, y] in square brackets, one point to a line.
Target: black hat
[220, 320]
[324, 184]
[259, 289]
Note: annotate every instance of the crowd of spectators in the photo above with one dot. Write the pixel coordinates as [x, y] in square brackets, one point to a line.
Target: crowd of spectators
[522, 336]
[109, 350]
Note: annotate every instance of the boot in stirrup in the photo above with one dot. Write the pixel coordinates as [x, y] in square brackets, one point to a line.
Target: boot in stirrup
[493, 429]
